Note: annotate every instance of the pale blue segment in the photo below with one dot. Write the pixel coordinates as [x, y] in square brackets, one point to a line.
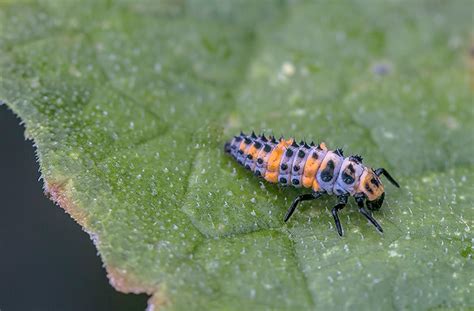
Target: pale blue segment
[300, 163]
[285, 173]
[329, 185]
[340, 187]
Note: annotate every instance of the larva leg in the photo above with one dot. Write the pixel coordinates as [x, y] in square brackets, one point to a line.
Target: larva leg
[382, 171]
[300, 198]
[367, 214]
[342, 203]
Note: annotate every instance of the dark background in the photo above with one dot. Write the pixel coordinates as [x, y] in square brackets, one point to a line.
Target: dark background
[46, 261]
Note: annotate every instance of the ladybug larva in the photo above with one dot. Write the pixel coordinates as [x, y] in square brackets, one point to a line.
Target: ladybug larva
[312, 166]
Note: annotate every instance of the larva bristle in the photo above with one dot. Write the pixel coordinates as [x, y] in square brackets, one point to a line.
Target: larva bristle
[339, 152]
[263, 138]
[253, 135]
[295, 144]
[356, 158]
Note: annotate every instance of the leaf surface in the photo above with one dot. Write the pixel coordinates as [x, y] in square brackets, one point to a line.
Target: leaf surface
[129, 104]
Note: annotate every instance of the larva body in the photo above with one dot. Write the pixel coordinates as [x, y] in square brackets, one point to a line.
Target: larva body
[311, 166]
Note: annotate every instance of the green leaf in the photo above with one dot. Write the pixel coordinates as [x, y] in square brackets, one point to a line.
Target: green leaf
[129, 104]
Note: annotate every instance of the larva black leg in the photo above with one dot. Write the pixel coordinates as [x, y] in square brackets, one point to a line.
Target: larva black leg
[342, 203]
[300, 198]
[382, 171]
[367, 214]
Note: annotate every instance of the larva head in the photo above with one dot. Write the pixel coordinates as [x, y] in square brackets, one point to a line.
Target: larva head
[371, 186]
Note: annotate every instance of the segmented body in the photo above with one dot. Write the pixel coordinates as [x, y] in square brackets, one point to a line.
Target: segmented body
[312, 166]
[305, 165]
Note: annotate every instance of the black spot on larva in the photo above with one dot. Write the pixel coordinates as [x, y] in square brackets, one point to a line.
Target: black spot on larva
[247, 140]
[301, 154]
[259, 160]
[240, 162]
[249, 156]
[283, 180]
[258, 173]
[315, 155]
[238, 138]
[375, 182]
[289, 153]
[348, 174]
[367, 187]
[296, 168]
[348, 179]
[267, 148]
[257, 145]
[284, 166]
[328, 173]
[241, 152]
[247, 166]
[233, 147]
[295, 181]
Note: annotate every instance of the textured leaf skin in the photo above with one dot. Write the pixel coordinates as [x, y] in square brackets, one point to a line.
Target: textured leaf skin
[129, 104]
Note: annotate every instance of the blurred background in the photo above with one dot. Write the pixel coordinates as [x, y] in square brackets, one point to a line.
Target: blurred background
[47, 261]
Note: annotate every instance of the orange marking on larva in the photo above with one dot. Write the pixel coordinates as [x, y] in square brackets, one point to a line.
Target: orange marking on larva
[245, 147]
[323, 146]
[307, 182]
[264, 156]
[315, 185]
[274, 160]
[309, 172]
[271, 176]
[242, 146]
[277, 154]
[370, 190]
[253, 152]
